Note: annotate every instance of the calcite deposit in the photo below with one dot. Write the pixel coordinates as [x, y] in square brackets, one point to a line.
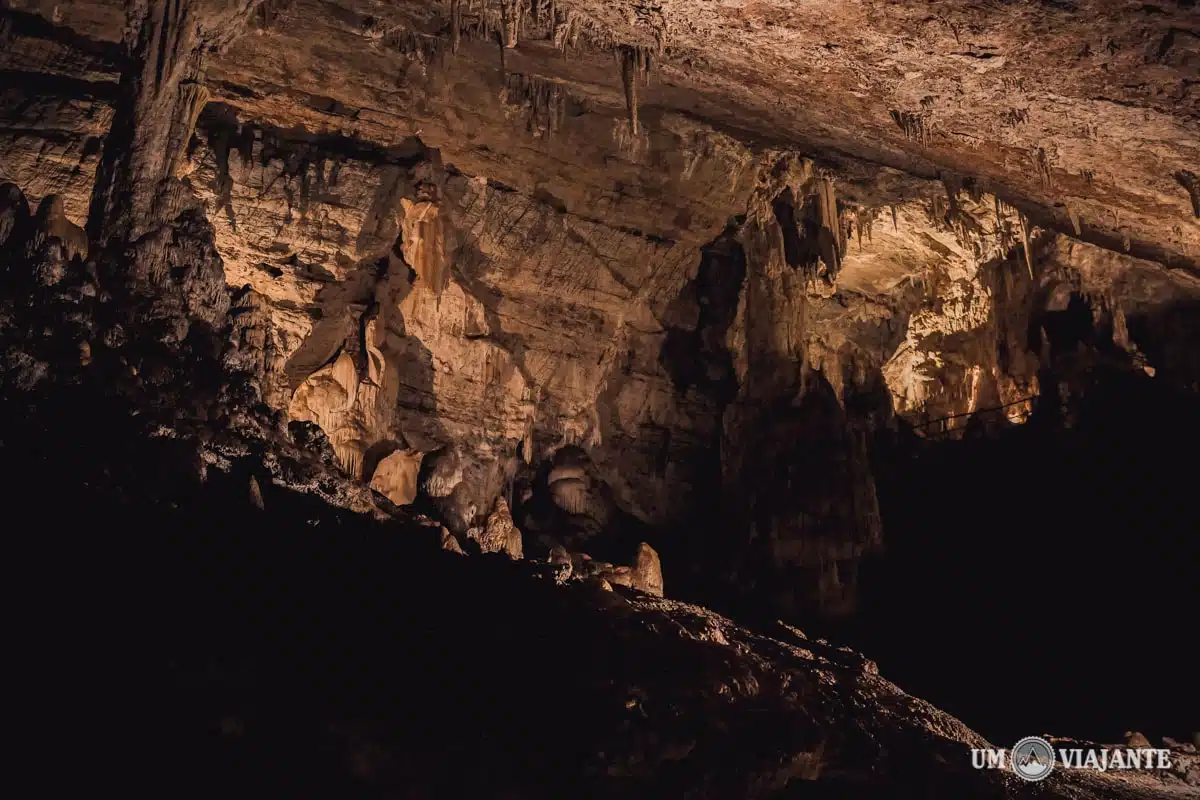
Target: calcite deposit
[634, 290]
[454, 249]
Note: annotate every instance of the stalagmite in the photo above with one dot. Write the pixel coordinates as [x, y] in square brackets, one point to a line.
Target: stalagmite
[647, 571]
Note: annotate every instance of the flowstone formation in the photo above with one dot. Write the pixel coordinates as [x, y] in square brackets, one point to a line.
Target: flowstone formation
[507, 229]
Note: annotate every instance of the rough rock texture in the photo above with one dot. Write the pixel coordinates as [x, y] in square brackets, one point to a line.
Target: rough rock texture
[396, 477]
[509, 251]
[561, 276]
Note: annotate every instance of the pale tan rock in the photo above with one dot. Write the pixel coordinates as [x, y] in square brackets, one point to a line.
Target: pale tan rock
[51, 222]
[647, 571]
[1136, 740]
[498, 534]
[450, 543]
[570, 494]
[424, 242]
[396, 476]
[560, 558]
[256, 498]
[621, 576]
[445, 473]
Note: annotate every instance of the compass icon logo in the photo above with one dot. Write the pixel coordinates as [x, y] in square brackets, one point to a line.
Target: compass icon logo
[1032, 758]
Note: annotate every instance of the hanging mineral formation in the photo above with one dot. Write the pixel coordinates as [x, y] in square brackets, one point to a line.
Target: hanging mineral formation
[631, 69]
[914, 125]
[831, 238]
[1043, 166]
[511, 16]
[544, 102]
[1024, 223]
[455, 25]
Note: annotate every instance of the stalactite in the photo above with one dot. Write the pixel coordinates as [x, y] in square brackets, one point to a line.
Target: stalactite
[193, 96]
[915, 125]
[565, 29]
[635, 68]
[455, 25]
[1075, 221]
[417, 46]
[1024, 223]
[937, 212]
[1043, 166]
[512, 14]
[544, 101]
[831, 236]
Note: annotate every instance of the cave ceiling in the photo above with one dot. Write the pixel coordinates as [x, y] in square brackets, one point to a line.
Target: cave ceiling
[1081, 113]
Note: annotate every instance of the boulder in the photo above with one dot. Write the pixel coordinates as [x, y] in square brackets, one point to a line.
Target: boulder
[396, 477]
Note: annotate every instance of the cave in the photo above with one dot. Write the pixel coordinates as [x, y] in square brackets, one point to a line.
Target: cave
[602, 398]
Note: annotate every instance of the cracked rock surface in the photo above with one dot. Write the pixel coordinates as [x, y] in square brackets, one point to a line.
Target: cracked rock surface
[612, 297]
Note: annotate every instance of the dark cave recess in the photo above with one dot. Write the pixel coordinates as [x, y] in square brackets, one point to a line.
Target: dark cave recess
[1045, 580]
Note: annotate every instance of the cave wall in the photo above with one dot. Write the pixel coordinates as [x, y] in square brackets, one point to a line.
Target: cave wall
[459, 260]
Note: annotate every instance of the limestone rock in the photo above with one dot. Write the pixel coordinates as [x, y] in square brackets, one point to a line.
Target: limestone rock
[14, 213]
[423, 237]
[498, 534]
[256, 498]
[51, 223]
[621, 576]
[647, 571]
[560, 559]
[1136, 740]
[442, 472]
[450, 543]
[396, 476]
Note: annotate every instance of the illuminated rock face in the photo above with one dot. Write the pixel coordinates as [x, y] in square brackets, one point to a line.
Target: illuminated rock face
[632, 282]
[586, 246]
[395, 477]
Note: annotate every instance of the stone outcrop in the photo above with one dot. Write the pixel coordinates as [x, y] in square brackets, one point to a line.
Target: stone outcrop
[647, 571]
[556, 277]
[395, 477]
[498, 534]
